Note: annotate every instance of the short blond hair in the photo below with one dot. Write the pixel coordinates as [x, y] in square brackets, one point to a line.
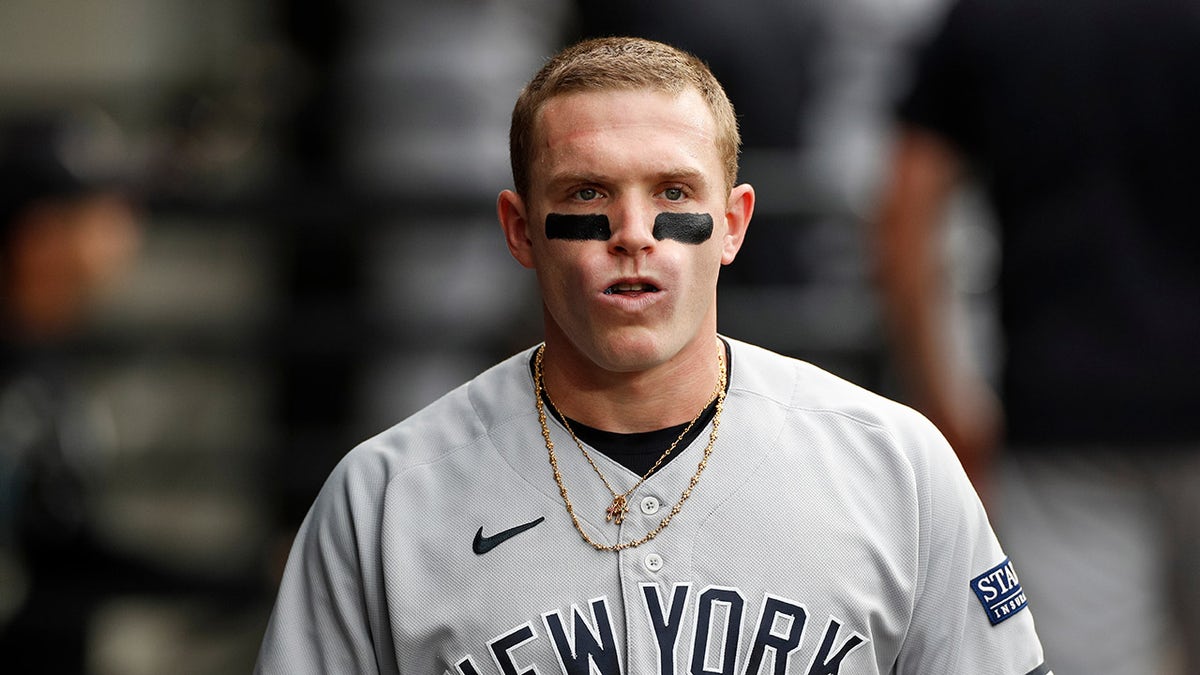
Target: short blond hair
[619, 63]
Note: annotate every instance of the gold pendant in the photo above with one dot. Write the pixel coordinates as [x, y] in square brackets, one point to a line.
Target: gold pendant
[616, 512]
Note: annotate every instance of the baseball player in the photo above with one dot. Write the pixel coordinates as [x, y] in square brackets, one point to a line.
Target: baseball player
[639, 494]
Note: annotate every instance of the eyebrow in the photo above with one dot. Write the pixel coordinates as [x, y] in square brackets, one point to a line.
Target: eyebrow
[684, 174]
[692, 177]
[681, 174]
[563, 180]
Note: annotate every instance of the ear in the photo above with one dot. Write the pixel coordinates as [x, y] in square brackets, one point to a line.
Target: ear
[737, 219]
[511, 210]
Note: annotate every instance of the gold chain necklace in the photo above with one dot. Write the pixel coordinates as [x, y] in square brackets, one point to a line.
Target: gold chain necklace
[617, 511]
[619, 507]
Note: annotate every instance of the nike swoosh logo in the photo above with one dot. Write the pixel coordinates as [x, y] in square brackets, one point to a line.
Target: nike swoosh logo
[484, 544]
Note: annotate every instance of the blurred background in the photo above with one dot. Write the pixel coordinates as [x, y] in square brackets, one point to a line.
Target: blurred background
[308, 253]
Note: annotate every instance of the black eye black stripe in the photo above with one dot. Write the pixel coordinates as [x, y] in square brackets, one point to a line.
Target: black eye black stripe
[578, 227]
[688, 228]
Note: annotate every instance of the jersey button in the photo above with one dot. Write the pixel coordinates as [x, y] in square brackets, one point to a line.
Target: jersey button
[650, 505]
[653, 562]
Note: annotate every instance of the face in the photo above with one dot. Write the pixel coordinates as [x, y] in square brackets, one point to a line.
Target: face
[627, 223]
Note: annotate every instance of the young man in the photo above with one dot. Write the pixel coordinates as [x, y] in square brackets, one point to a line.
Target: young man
[638, 494]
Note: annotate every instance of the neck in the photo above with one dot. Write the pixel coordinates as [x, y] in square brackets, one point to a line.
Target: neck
[668, 394]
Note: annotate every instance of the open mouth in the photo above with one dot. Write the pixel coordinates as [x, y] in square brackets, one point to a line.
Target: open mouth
[630, 289]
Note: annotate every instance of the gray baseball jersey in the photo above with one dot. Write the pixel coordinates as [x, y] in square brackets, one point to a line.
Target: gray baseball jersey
[833, 531]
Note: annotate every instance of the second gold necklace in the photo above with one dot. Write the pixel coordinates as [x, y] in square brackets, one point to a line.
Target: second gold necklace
[619, 507]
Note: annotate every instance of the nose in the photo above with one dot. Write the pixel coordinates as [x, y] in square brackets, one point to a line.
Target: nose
[632, 224]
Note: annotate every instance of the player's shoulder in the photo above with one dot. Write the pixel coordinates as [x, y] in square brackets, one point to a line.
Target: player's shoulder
[455, 422]
[798, 385]
[815, 398]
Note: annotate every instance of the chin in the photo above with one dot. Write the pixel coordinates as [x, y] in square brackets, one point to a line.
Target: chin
[627, 355]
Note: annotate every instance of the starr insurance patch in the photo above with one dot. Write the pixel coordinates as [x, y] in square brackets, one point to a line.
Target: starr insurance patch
[999, 591]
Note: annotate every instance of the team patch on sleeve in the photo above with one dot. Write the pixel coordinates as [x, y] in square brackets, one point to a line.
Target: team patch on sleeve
[999, 592]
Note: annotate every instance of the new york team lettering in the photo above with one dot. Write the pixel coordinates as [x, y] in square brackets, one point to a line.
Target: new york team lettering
[720, 632]
[590, 643]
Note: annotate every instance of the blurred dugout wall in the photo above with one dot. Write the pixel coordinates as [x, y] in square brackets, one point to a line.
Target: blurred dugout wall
[177, 395]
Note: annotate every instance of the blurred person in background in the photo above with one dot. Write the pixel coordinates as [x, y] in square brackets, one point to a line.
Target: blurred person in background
[67, 228]
[1080, 120]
